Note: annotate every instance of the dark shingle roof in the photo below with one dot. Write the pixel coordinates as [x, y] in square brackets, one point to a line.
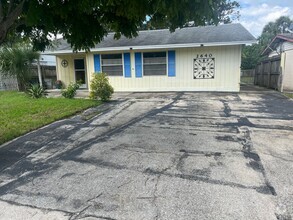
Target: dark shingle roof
[228, 33]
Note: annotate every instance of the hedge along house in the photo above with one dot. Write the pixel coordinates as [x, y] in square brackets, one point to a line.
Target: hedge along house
[189, 59]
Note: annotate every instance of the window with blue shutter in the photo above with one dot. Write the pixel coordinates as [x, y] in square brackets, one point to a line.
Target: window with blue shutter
[112, 64]
[155, 64]
[171, 64]
[127, 66]
[97, 63]
[138, 65]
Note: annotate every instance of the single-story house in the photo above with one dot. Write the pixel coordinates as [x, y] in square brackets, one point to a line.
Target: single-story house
[190, 59]
[282, 46]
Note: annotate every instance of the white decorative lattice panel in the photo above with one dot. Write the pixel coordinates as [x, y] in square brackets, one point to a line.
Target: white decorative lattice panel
[204, 68]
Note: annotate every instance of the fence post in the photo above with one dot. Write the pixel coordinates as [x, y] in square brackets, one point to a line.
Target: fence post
[269, 74]
[261, 75]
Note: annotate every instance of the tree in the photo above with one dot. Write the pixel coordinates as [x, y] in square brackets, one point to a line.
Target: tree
[16, 61]
[251, 55]
[271, 29]
[10, 12]
[226, 12]
[85, 23]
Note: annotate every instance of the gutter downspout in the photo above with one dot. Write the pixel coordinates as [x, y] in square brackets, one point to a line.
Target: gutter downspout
[283, 72]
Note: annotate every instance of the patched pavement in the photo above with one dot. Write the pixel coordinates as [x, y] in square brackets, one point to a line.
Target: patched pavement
[157, 156]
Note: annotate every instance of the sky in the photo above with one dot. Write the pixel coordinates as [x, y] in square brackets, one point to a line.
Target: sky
[255, 14]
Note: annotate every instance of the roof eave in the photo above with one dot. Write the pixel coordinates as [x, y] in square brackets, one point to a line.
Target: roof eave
[269, 48]
[147, 47]
[285, 38]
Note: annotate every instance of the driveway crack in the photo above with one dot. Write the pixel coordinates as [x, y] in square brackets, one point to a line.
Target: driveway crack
[255, 161]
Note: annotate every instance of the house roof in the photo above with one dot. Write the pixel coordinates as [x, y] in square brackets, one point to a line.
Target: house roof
[276, 41]
[227, 34]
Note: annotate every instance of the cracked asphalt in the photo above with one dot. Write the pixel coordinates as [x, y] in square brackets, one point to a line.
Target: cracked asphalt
[157, 156]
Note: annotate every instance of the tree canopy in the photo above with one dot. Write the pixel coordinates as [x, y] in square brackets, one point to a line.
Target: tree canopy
[84, 23]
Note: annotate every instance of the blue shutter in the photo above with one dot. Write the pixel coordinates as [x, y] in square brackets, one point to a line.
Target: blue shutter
[97, 63]
[127, 67]
[171, 64]
[138, 65]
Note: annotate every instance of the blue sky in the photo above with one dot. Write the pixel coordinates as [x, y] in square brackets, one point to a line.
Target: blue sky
[255, 14]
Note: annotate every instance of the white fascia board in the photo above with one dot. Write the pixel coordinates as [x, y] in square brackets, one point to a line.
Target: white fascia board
[59, 52]
[148, 47]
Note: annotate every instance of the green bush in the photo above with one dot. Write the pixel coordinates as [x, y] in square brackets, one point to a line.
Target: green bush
[70, 91]
[36, 91]
[100, 87]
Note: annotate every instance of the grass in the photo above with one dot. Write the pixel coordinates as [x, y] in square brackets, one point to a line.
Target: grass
[289, 95]
[20, 114]
[247, 79]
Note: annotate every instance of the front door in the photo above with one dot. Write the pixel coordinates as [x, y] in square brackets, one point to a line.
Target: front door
[80, 72]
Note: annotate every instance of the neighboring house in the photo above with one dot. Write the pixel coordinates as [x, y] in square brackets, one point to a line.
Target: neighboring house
[189, 59]
[48, 71]
[281, 47]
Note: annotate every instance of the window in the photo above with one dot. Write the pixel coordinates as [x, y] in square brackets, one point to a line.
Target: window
[154, 64]
[112, 64]
[79, 69]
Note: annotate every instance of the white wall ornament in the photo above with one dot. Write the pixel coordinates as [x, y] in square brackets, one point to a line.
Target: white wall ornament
[204, 66]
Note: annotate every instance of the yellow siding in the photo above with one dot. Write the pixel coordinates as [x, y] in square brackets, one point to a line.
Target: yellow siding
[66, 74]
[227, 72]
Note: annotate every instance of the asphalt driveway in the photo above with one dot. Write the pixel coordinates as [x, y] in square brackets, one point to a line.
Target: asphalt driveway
[157, 156]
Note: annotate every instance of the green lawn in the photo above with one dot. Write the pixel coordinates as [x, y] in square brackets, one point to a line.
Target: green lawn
[20, 114]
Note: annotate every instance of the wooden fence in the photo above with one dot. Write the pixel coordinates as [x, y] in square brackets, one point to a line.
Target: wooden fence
[48, 76]
[268, 73]
[247, 76]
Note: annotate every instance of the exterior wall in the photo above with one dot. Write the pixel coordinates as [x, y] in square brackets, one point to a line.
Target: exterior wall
[288, 70]
[287, 46]
[8, 83]
[227, 71]
[67, 74]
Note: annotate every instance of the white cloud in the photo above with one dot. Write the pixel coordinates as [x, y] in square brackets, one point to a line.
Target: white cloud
[254, 16]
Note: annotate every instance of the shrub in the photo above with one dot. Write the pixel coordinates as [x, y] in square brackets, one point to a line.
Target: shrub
[36, 91]
[100, 87]
[70, 91]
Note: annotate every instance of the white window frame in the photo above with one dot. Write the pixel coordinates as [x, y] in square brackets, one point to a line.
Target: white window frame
[155, 52]
[83, 86]
[101, 63]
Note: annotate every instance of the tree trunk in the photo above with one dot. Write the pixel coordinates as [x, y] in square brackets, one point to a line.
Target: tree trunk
[9, 19]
